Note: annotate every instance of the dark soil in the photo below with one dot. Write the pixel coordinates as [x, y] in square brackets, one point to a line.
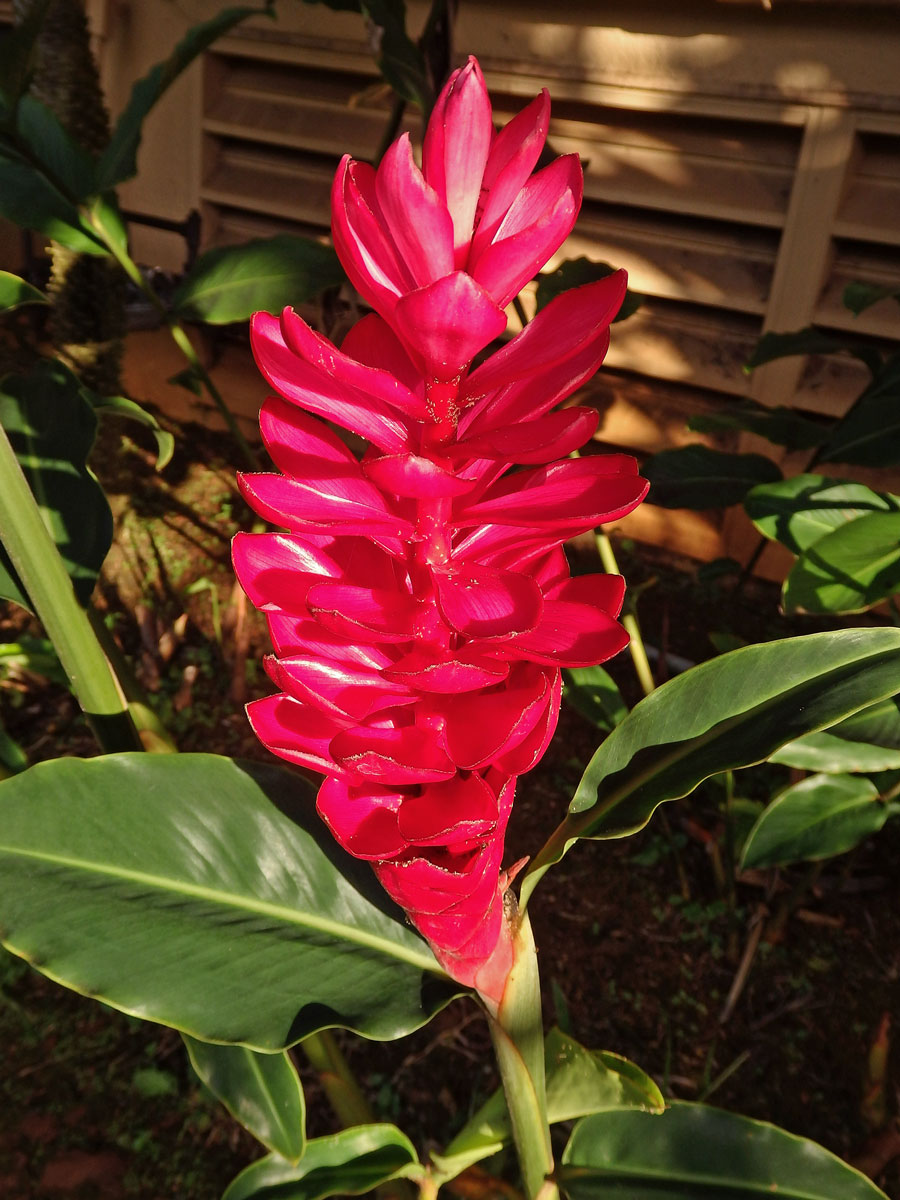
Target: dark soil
[639, 943]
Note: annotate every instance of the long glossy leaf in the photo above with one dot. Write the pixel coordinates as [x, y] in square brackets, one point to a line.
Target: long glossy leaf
[698, 477]
[15, 292]
[122, 406]
[65, 162]
[850, 570]
[231, 283]
[172, 887]
[693, 1152]
[817, 818]
[798, 341]
[867, 741]
[860, 296]
[399, 59]
[31, 201]
[869, 435]
[579, 1082]
[575, 272]
[52, 427]
[262, 1091]
[346, 1164]
[119, 161]
[594, 693]
[728, 713]
[783, 426]
[799, 511]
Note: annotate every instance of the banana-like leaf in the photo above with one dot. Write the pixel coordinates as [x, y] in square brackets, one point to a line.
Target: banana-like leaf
[800, 511]
[15, 292]
[852, 569]
[231, 283]
[348, 1163]
[594, 693]
[32, 201]
[122, 406]
[172, 887]
[119, 160]
[579, 1082]
[698, 477]
[783, 426]
[692, 1151]
[51, 427]
[731, 712]
[867, 741]
[817, 818]
[869, 435]
[262, 1091]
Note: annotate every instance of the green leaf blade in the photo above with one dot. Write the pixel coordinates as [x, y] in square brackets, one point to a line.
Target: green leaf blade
[698, 477]
[692, 1151]
[348, 1163]
[261, 1091]
[15, 292]
[799, 511]
[51, 427]
[867, 741]
[818, 818]
[231, 283]
[848, 571]
[191, 900]
[731, 712]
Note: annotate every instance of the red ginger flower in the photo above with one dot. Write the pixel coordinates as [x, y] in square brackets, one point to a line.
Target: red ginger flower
[420, 603]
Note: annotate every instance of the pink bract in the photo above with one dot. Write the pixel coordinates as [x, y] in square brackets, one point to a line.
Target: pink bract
[419, 601]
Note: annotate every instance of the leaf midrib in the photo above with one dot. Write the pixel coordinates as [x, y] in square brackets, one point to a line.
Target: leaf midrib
[688, 746]
[162, 883]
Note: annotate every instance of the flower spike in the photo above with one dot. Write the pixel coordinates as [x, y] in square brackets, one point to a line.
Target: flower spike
[420, 603]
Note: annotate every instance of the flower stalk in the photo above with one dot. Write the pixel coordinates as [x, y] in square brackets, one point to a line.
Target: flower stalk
[518, 1039]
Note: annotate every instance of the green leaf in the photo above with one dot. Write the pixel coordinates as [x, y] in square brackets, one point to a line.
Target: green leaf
[31, 201]
[575, 272]
[869, 436]
[173, 888]
[399, 59]
[693, 1151]
[15, 292]
[52, 428]
[233, 282]
[799, 511]
[348, 1163]
[728, 713]
[261, 1091]
[849, 570]
[785, 345]
[698, 477]
[121, 406]
[119, 161]
[67, 164]
[867, 741]
[594, 693]
[783, 426]
[579, 1082]
[819, 817]
[858, 297]
[12, 757]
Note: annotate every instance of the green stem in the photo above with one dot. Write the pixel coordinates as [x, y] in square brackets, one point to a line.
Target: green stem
[636, 645]
[338, 1081]
[518, 1037]
[36, 559]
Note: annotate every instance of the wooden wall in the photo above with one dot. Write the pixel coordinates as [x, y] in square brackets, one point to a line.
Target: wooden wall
[743, 163]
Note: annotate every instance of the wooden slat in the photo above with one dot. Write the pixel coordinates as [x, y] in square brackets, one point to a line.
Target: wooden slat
[676, 258]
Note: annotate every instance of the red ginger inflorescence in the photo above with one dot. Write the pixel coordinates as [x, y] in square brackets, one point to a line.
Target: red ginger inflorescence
[420, 604]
